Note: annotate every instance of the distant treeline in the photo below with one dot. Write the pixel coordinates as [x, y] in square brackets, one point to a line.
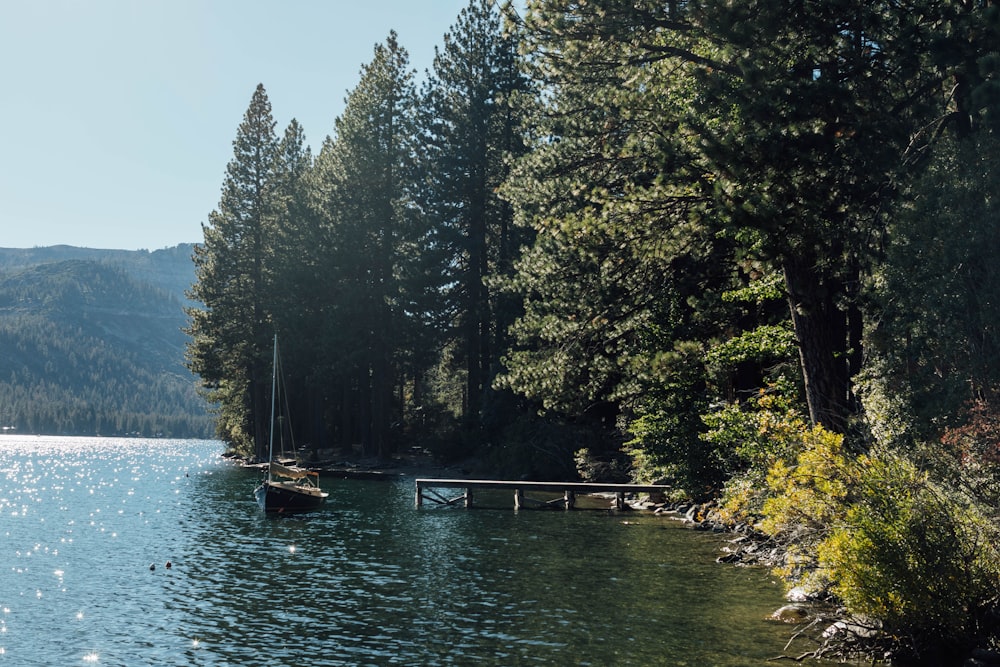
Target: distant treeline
[90, 348]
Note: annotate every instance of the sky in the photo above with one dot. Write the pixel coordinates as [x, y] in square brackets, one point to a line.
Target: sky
[117, 117]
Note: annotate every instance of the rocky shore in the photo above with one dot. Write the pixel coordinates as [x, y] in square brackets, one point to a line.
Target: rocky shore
[817, 616]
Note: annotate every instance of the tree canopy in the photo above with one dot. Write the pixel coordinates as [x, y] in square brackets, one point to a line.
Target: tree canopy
[719, 243]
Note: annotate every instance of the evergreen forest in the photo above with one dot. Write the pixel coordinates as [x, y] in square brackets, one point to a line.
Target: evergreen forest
[746, 248]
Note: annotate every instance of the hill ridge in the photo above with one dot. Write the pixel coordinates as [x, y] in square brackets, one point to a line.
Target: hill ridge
[92, 343]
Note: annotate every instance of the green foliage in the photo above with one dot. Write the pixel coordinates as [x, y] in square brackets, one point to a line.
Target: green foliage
[768, 341]
[936, 341]
[374, 261]
[666, 440]
[470, 117]
[749, 439]
[919, 558]
[807, 495]
[360, 322]
[231, 330]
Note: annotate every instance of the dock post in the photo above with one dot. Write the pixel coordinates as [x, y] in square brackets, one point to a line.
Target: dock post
[620, 500]
[570, 498]
[468, 497]
[420, 496]
[518, 499]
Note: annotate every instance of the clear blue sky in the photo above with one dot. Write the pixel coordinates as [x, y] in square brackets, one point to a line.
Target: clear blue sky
[117, 117]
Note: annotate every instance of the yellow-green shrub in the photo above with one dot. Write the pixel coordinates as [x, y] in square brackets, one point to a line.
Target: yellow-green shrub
[806, 499]
[750, 438]
[919, 558]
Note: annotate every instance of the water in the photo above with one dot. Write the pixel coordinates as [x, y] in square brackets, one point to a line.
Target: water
[368, 580]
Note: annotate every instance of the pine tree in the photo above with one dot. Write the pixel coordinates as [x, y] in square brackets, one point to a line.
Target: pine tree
[471, 126]
[230, 335]
[363, 177]
[773, 128]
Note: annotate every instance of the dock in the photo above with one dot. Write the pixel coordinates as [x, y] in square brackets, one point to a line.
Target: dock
[427, 491]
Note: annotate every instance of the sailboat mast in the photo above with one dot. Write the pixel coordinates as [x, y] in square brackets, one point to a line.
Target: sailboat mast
[274, 395]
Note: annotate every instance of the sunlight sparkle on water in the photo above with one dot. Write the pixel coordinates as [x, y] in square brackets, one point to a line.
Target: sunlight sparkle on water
[91, 657]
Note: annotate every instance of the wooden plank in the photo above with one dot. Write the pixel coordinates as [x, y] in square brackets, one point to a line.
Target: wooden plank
[434, 496]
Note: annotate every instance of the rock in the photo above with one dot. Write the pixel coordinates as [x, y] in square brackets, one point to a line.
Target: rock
[798, 594]
[790, 613]
[850, 627]
[728, 558]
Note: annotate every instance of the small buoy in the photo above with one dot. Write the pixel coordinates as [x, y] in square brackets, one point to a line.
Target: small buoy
[169, 565]
[152, 566]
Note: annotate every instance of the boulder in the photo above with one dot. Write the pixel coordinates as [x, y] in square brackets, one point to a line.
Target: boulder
[790, 613]
[799, 594]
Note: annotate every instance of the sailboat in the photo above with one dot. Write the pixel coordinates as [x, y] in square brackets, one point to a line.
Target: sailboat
[286, 488]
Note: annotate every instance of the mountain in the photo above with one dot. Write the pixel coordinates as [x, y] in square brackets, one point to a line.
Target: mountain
[91, 343]
[169, 269]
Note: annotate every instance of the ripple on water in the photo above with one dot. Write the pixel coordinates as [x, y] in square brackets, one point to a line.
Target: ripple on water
[89, 525]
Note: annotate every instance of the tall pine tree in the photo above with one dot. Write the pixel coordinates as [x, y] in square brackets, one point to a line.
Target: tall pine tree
[230, 335]
[471, 125]
[363, 179]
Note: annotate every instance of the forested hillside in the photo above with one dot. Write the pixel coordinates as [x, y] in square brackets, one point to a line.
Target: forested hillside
[95, 345]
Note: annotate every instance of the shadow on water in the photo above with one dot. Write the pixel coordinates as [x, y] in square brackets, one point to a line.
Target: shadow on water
[367, 579]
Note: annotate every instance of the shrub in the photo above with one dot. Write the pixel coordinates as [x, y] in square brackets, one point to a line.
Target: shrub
[748, 440]
[807, 497]
[920, 559]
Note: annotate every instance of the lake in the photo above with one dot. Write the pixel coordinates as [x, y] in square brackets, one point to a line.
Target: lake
[89, 524]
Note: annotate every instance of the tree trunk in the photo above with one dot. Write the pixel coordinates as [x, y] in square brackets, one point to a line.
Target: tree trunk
[821, 330]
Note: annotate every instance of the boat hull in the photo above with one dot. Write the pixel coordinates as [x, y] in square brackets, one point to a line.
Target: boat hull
[278, 498]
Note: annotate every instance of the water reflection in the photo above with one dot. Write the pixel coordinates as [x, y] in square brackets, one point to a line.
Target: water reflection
[89, 525]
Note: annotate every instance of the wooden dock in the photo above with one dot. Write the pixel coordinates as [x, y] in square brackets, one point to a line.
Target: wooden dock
[427, 490]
